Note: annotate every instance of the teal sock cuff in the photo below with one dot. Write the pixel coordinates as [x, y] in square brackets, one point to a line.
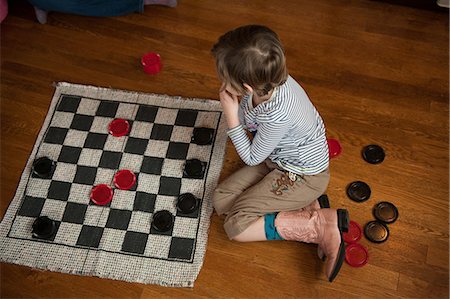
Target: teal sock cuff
[269, 227]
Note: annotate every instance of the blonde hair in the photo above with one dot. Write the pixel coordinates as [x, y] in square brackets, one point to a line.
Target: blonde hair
[251, 54]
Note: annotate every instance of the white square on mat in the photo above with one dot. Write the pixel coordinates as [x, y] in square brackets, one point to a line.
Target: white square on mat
[104, 176]
[62, 119]
[182, 134]
[201, 152]
[101, 124]
[158, 246]
[114, 144]
[207, 119]
[126, 111]
[112, 239]
[131, 162]
[68, 233]
[54, 209]
[164, 202]
[64, 172]
[75, 138]
[90, 157]
[185, 227]
[157, 148]
[166, 116]
[141, 129]
[148, 183]
[80, 193]
[22, 227]
[123, 200]
[96, 215]
[88, 106]
[193, 186]
[49, 150]
[173, 168]
[140, 222]
[38, 187]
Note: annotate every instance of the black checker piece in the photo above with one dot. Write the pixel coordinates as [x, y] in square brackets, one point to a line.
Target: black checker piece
[44, 228]
[55, 135]
[69, 104]
[31, 206]
[90, 236]
[181, 248]
[134, 242]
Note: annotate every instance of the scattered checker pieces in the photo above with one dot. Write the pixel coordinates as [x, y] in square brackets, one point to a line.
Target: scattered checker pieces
[102, 197]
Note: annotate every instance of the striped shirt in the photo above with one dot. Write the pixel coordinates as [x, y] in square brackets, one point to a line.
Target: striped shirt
[290, 131]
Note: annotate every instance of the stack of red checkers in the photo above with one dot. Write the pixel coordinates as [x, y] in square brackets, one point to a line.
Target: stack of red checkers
[151, 62]
[356, 255]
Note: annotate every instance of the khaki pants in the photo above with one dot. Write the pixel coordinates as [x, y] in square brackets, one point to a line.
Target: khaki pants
[254, 191]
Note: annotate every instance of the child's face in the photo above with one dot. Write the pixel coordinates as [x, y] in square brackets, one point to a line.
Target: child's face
[233, 92]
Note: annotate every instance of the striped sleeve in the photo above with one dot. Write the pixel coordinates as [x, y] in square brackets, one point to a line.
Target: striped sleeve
[272, 128]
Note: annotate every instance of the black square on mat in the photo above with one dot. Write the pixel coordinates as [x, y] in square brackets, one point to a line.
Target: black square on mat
[69, 104]
[31, 206]
[82, 122]
[59, 190]
[169, 186]
[146, 113]
[110, 160]
[181, 248]
[134, 242]
[85, 175]
[90, 236]
[136, 146]
[118, 219]
[95, 140]
[69, 154]
[55, 135]
[152, 165]
[186, 118]
[74, 213]
[177, 150]
[107, 109]
[161, 132]
[144, 202]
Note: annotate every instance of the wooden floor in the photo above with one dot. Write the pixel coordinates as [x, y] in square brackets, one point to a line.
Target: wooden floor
[377, 72]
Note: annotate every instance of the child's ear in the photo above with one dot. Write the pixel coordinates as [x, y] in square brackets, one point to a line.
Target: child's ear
[248, 87]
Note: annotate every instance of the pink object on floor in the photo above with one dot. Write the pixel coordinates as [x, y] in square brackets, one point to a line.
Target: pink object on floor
[3, 9]
[334, 147]
[151, 63]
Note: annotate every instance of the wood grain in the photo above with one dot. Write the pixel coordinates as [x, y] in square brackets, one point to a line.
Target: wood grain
[377, 72]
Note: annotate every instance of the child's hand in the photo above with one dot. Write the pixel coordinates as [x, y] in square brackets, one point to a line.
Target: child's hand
[230, 105]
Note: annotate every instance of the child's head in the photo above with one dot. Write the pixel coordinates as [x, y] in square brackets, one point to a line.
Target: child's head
[251, 55]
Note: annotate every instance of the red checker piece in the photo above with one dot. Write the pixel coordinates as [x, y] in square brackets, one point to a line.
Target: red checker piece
[152, 63]
[119, 127]
[101, 194]
[354, 233]
[356, 255]
[124, 179]
[334, 147]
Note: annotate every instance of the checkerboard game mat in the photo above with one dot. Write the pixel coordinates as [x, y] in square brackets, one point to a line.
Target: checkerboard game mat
[117, 240]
